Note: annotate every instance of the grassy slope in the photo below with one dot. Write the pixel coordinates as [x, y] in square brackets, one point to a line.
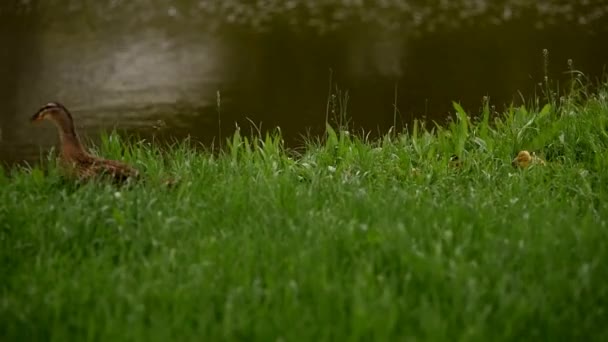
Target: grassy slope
[343, 242]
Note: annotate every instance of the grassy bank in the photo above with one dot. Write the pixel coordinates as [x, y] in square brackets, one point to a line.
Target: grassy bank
[349, 240]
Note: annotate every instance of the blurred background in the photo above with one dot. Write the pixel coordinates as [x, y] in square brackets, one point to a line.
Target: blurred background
[154, 68]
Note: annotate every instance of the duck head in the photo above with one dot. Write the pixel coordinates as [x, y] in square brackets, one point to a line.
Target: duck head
[58, 114]
[522, 160]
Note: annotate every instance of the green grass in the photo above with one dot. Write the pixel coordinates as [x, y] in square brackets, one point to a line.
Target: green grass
[340, 242]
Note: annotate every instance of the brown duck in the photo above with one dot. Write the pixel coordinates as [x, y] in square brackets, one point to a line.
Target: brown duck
[74, 158]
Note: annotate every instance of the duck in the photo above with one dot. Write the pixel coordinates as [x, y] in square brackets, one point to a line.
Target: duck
[455, 161]
[525, 159]
[74, 158]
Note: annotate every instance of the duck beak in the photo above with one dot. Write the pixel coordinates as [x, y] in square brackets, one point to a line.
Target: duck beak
[514, 162]
[37, 117]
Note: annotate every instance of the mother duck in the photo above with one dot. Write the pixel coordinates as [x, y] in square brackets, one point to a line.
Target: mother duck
[74, 157]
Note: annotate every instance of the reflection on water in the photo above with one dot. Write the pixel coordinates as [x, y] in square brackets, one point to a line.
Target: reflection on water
[130, 65]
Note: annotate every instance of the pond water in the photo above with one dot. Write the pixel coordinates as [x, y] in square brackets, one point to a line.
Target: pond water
[197, 68]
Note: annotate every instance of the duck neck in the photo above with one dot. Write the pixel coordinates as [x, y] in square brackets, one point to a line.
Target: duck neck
[70, 143]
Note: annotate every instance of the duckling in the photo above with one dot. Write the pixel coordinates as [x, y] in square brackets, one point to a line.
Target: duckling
[455, 162]
[525, 159]
[74, 157]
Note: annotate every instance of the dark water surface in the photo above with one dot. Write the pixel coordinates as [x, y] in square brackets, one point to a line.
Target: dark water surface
[156, 70]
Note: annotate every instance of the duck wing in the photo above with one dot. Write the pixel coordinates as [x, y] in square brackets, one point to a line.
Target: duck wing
[88, 167]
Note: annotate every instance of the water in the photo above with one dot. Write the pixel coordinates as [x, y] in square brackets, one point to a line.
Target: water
[157, 70]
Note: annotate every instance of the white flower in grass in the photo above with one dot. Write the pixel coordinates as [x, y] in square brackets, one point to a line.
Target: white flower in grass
[117, 195]
[331, 169]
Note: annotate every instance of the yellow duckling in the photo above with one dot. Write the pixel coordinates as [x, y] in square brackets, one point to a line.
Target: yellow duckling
[524, 159]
